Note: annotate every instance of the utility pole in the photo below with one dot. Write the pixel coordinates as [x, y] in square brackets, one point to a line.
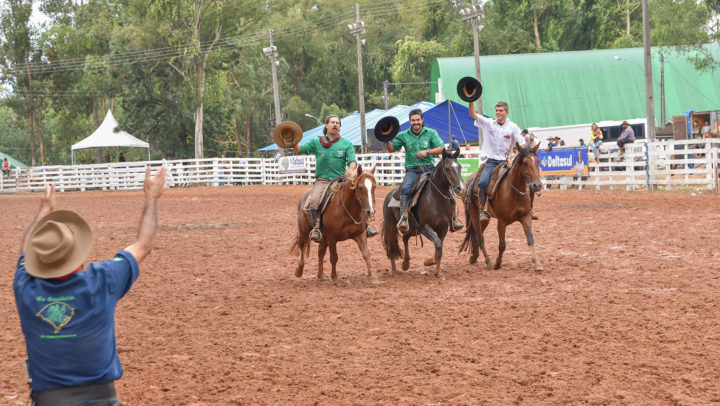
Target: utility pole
[472, 15]
[271, 52]
[662, 90]
[385, 93]
[358, 29]
[649, 105]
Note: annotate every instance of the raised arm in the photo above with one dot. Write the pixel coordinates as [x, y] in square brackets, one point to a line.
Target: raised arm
[471, 107]
[153, 188]
[47, 204]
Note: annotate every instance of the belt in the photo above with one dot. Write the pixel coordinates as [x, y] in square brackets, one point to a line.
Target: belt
[74, 395]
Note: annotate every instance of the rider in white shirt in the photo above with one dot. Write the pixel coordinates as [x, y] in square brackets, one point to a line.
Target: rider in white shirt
[499, 137]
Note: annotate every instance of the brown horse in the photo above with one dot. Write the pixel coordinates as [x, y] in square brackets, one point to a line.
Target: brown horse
[345, 217]
[510, 203]
[430, 217]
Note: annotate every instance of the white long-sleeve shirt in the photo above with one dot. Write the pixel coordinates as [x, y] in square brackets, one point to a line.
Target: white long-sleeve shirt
[498, 140]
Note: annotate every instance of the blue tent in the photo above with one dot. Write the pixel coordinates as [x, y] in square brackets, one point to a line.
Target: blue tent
[448, 118]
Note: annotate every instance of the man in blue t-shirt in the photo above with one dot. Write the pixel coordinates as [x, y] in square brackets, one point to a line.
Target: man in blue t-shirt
[66, 310]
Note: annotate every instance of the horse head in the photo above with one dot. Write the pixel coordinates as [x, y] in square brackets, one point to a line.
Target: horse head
[450, 168]
[363, 184]
[527, 160]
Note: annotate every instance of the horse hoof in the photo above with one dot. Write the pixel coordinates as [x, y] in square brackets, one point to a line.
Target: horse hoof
[491, 266]
[374, 280]
[429, 262]
[406, 266]
[298, 272]
[473, 260]
[539, 269]
[497, 267]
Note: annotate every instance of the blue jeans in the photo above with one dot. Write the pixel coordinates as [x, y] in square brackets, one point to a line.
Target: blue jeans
[490, 164]
[411, 174]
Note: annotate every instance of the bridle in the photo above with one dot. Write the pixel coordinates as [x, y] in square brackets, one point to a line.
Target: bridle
[527, 177]
[447, 178]
[342, 201]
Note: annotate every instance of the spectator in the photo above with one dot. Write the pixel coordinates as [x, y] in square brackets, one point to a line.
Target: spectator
[561, 143]
[695, 133]
[627, 137]
[707, 130]
[67, 311]
[121, 157]
[6, 167]
[595, 141]
[582, 142]
[551, 143]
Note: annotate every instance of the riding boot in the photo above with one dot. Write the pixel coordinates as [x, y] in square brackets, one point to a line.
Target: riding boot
[482, 196]
[315, 234]
[371, 230]
[403, 225]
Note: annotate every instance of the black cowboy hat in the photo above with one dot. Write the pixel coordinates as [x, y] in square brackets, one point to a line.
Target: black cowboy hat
[469, 89]
[287, 134]
[387, 128]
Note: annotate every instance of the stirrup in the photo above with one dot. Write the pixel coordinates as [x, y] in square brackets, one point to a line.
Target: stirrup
[456, 224]
[315, 235]
[402, 225]
[484, 217]
[371, 231]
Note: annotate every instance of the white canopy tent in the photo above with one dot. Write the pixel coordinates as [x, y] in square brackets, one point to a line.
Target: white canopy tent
[106, 136]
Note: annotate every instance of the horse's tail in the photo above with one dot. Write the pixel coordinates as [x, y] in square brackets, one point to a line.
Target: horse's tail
[389, 232]
[471, 240]
[296, 246]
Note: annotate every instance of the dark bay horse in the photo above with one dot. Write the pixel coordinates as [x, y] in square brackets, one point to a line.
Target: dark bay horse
[430, 217]
[345, 217]
[510, 203]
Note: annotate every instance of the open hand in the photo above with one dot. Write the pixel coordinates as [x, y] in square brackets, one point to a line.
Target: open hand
[154, 185]
[47, 203]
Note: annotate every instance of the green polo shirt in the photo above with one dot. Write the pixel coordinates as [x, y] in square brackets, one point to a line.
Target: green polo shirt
[330, 162]
[427, 139]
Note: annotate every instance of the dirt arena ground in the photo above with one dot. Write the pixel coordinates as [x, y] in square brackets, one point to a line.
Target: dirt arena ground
[626, 311]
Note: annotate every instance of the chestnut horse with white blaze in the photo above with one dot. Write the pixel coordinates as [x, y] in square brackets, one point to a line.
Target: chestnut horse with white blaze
[345, 217]
[510, 203]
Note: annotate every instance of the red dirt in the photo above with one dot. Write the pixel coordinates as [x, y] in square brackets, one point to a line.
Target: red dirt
[626, 311]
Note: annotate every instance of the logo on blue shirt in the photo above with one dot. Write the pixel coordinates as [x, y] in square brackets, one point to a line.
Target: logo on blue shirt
[57, 314]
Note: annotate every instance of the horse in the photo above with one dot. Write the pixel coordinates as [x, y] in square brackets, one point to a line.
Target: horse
[510, 203]
[431, 215]
[345, 217]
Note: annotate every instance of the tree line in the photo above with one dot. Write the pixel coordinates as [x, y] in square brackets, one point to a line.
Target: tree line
[190, 76]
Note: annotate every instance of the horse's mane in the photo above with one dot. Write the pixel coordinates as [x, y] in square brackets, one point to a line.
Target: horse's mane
[522, 153]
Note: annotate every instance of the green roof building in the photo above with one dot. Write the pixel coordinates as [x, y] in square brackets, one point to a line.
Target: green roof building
[580, 87]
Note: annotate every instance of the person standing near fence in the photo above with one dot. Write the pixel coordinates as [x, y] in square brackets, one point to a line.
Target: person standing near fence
[67, 311]
[333, 154]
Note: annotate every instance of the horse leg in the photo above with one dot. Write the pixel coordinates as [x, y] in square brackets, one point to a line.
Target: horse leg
[333, 260]
[526, 222]
[361, 241]
[301, 259]
[321, 258]
[406, 259]
[481, 239]
[437, 240]
[501, 227]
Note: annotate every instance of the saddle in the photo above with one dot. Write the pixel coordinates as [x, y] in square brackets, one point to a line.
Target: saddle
[414, 192]
[330, 191]
[497, 175]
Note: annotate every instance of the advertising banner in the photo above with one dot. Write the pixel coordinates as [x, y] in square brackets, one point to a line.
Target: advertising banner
[468, 165]
[571, 161]
[292, 164]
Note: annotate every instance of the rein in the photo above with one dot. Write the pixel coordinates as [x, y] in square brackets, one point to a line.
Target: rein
[524, 173]
[452, 194]
[342, 201]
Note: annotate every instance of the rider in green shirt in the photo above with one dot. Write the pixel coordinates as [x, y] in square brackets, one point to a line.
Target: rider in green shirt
[421, 143]
[332, 155]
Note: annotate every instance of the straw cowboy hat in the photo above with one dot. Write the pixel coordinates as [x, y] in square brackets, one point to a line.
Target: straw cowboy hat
[287, 134]
[469, 89]
[387, 128]
[59, 243]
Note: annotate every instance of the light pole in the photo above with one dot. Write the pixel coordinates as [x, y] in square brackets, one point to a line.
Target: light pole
[271, 52]
[358, 29]
[316, 119]
[661, 84]
[472, 15]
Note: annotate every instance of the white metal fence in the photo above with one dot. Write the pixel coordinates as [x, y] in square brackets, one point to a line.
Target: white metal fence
[672, 164]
